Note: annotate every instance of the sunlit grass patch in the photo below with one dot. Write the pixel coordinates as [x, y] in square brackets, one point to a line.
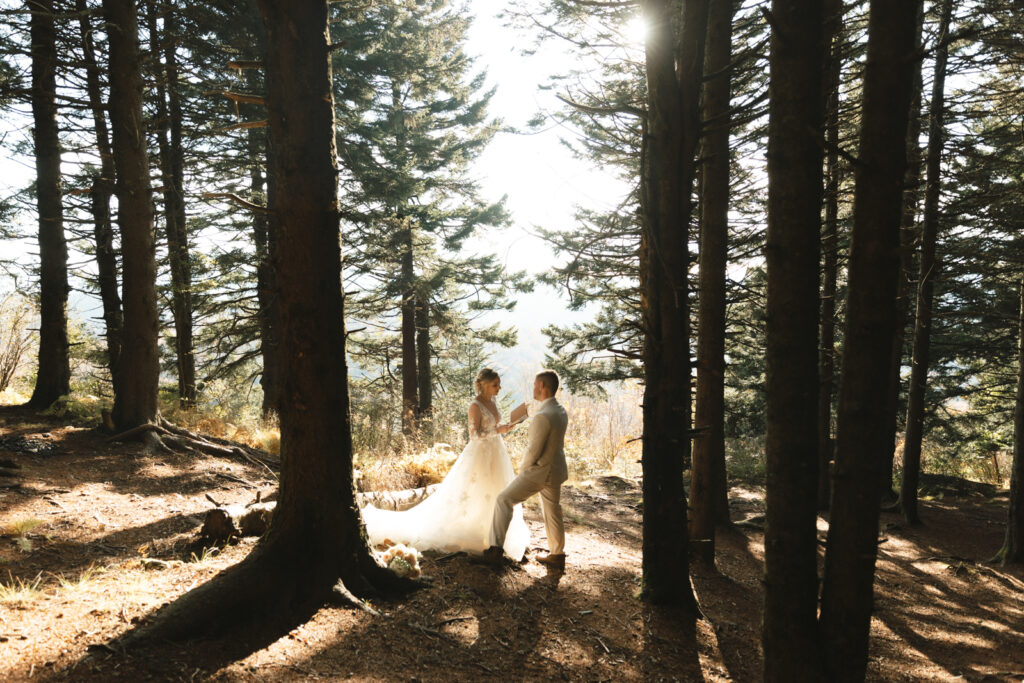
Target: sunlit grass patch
[205, 555]
[81, 408]
[84, 580]
[14, 397]
[405, 470]
[20, 527]
[16, 591]
[19, 530]
[261, 433]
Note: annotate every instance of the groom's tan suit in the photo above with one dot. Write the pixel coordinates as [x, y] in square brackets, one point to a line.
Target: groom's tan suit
[542, 470]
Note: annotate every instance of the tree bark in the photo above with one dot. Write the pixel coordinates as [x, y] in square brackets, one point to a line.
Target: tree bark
[410, 382]
[861, 439]
[53, 378]
[265, 239]
[315, 537]
[135, 394]
[423, 374]
[833, 41]
[1013, 543]
[795, 120]
[928, 269]
[265, 232]
[102, 190]
[709, 500]
[908, 238]
[669, 166]
[168, 135]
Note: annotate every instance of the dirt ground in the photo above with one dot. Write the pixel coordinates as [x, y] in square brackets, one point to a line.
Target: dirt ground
[112, 528]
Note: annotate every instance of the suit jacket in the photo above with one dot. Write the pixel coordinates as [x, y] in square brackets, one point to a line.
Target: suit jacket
[544, 460]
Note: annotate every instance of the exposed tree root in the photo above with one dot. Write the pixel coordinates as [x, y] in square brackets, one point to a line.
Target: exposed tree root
[278, 586]
[222, 447]
[158, 437]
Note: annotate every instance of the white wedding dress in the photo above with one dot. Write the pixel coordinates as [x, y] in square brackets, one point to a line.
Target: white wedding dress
[457, 515]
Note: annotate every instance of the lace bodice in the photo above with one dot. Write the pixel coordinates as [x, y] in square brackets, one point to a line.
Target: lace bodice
[488, 425]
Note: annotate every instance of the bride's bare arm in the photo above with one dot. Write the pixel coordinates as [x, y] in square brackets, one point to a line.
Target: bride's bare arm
[476, 418]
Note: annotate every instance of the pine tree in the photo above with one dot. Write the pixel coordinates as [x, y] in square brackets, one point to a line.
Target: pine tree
[54, 372]
[411, 119]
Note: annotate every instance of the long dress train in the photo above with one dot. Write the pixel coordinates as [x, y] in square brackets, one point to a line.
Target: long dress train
[457, 516]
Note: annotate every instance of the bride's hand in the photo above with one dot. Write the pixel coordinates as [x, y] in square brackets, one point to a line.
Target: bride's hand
[503, 429]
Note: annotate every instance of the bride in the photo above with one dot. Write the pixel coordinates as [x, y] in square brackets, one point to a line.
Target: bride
[457, 516]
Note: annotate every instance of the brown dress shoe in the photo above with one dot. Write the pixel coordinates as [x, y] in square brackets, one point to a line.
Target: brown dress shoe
[556, 561]
[491, 556]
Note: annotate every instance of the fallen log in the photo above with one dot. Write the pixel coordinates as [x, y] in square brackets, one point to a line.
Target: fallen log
[394, 500]
[223, 524]
[228, 522]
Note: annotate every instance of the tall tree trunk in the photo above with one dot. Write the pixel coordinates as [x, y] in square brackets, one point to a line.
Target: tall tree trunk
[315, 535]
[709, 501]
[669, 167]
[908, 237]
[1013, 542]
[833, 41]
[135, 394]
[102, 190]
[265, 239]
[266, 227]
[53, 378]
[861, 438]
[423, 375]
[410, 381]
[795, 120]
[928, 268]
[168, 135]
[178, 251]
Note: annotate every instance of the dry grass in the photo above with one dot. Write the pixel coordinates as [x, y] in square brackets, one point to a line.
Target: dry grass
[262, 433]
[17, 592]
[394, 472]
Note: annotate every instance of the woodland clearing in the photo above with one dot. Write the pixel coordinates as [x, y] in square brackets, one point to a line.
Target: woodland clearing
[98, 534]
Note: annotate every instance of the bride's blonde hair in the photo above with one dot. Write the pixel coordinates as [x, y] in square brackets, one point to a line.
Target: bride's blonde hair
[485, 375]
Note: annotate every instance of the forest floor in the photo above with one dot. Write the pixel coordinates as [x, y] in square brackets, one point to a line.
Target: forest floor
[95, 537]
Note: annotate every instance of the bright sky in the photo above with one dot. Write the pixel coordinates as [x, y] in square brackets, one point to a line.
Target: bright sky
[540, 176]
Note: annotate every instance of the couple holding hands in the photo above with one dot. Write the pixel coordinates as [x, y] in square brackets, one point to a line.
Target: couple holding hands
[478, 506]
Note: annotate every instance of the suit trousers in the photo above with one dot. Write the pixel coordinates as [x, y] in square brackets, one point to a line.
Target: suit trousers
[518, 490]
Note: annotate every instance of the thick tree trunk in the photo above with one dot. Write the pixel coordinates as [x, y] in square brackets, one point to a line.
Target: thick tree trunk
[135, 393]
[102, 190]
[862, 440]
[410, 382]
[168, 134]
[670, 144]
[423, 375]
[833, 41]
[908, 238]
[315, 536]
[709, 501]
[928, 268]
[1013, 543]
[795, 120]
[53, 378]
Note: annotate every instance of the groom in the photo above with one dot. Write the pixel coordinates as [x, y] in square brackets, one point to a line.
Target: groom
[542, 471]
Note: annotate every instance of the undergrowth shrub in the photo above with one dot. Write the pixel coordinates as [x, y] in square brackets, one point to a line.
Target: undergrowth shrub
[745, 459]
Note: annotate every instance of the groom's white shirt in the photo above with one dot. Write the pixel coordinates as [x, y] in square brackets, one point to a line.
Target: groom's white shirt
[544, 459]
